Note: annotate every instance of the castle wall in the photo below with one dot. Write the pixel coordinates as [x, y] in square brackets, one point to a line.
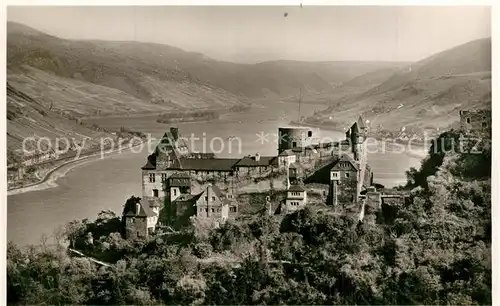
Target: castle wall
[475, 121]
[136, 228]
[393, 200]
[297, 137]
[148, 186]
[254, 172]
[346, 189]
[295, 200]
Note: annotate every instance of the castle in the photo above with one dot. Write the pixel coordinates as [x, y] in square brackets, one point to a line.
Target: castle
[178, 185]
[475, 121]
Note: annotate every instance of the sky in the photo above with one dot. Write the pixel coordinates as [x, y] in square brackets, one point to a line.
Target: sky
[260, 33]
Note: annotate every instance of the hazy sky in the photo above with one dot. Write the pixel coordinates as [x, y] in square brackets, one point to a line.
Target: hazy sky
[263, 33]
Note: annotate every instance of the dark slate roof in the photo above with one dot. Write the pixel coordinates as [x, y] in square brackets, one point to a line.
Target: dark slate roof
[355, 128]
[215, 164]
[286, 152]
[148, 166]
[361, 123]
[344, 158]
[216, 190]
[190, 198]
[249, 161]
[202, 155]
[179, 182]
[296, 165]
[296, 188]
[144, 211]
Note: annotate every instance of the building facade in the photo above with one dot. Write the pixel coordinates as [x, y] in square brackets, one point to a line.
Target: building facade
[297, 137]
[296, 198]
[140, 218]
[343, 181]
[476, 121]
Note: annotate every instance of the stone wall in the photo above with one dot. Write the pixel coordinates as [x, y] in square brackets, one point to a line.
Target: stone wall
[475, 120]
[297, 137]
[136, 228]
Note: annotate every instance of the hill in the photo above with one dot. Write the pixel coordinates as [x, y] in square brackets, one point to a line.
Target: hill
[163, 75]
[53, 82]
[88, 77]
[426, 94]
[27, 117]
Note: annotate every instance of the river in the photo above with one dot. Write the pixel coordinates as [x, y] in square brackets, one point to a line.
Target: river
[100, 184]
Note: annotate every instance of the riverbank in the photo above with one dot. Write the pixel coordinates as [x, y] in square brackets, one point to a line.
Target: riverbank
[321, 127]
[59, 170]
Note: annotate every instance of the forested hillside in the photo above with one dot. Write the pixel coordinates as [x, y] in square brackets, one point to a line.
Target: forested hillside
[436, 250]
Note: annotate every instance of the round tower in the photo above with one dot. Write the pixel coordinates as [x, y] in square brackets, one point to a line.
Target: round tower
[296, 137]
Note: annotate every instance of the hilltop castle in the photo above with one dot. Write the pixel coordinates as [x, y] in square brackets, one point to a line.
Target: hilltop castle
[178, 184]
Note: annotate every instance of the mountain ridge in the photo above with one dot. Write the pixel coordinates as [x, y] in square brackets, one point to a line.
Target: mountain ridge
[426, 95]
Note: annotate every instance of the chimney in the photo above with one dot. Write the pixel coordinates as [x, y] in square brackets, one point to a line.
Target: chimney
[257, 157]
[137, 208]
[175, 133]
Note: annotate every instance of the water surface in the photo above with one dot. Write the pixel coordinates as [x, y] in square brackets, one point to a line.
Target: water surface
[106, 184]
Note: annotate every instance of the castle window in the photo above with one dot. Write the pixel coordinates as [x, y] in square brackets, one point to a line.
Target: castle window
[163, 177]
[232, 209]
[309, 134]
[294, 144]
[468, 120]
[206, 198]
[175, 192]
[206, 209]
[151, 177]
[155, 193]
[347, 174]
[213, 209]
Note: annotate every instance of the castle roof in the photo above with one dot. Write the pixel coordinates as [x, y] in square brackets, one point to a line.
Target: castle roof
[296, 165]
[144, 210]
[213, 164]
[287, 152]
[342, 160]
[189, 198]
[201, 155]
[249, 161]
[298, 188]
[354, 128]
[361, 123]
[216, 190]
[148, 166]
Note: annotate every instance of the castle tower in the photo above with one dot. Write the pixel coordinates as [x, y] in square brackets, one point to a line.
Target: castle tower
[295, 173]
[333, 192]
[296, 138]
[355, 140]
[343, 181]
